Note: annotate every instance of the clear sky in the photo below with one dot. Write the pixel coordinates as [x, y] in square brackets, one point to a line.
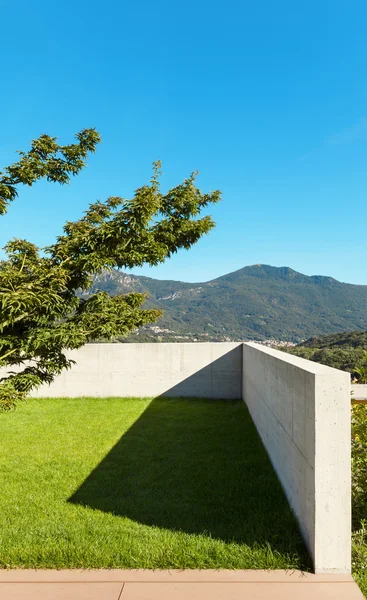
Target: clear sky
[267, 99]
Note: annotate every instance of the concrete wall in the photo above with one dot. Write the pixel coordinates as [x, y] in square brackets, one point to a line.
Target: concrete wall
[359, 391]
[302, 412]
[205, 370]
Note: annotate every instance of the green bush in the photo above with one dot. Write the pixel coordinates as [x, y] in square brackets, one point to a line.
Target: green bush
[359, 463]
[345, 359]
[359, 495]
[359, 555]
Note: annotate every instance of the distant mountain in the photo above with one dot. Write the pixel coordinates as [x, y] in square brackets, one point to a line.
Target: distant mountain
[257, 302]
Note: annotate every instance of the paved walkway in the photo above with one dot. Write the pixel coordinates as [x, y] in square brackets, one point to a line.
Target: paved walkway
[175, 585]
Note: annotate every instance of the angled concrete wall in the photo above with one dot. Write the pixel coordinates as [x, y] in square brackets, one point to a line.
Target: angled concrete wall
[302, 412]
[204, 370]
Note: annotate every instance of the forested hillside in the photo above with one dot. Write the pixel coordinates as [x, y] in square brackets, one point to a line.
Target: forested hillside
[345, 351]
[258, 302]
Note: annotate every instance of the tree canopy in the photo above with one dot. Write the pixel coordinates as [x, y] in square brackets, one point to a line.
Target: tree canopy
[41, 311]
[46, 160]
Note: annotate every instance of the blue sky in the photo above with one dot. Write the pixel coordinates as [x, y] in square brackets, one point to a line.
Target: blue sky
[268, 100]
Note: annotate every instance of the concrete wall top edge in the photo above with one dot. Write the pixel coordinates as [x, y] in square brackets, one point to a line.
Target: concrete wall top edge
[158, 344]
[301, 363]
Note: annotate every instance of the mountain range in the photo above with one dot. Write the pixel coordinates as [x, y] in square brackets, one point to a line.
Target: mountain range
[257, 302]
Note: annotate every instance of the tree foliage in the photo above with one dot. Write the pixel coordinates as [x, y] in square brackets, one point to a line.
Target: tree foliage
[345, 351]
[361, 369]
[48, 160]
[349, 339]
[359, 462]
[41, 312]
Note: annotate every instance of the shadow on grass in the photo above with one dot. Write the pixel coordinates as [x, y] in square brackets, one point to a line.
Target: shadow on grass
[196, 466]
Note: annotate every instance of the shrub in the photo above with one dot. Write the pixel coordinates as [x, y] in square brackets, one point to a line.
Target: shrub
[359, 463]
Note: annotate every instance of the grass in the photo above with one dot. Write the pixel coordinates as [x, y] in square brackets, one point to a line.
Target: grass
[163, 483]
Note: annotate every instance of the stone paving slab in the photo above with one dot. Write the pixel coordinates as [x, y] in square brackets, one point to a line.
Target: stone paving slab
[119, 584]
[60, 591]
[239, 591]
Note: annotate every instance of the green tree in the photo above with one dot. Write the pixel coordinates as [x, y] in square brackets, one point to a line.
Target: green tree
[361, 370]
[41, 313]
[48, 160]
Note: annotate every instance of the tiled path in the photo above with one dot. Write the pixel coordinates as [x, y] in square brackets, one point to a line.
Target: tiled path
[175, 585]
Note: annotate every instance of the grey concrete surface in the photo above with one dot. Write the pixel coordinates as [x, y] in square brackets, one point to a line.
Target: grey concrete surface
[302, 412]
[201, 370]
[359, 391]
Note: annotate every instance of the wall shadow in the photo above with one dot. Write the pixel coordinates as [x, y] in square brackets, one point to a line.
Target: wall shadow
[222, 378]
[196, 466]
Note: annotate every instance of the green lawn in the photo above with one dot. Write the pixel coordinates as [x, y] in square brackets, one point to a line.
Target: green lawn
[163, 483]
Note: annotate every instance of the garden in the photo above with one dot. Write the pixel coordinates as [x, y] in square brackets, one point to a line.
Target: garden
[153, 483]
[141, 483]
